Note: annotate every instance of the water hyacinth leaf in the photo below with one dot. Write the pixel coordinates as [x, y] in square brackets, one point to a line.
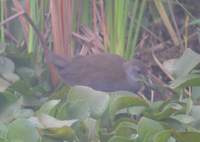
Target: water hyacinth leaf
[162, 136]
[125, 129]
[147, 128]
[125, 101]
[185, 81]
[186, 119]
[27, 74]
[55, 128]
[195, 112]
[23, 130]
[6, 99]
[119, 139]
[3, 132]
[164, 111]
[7, 65]
[136, 110]
[51, 122]
[91, 125]
[11, 77]
[47, 107]
[77, 109]
[187, 62]
[4, 85]
[187, 136]
[22, 87]
[163, 114]
[63, 133]
[195, 115]
[86, 130]
[14, 111]
[96, 101]
[195, 93]
[169, 65]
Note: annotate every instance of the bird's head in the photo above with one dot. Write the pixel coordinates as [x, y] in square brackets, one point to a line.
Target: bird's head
[135, 71]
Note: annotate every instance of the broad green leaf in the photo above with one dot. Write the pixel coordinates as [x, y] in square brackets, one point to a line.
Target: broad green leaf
[125, 129]
[71, 110]
[23, 130]
[87, 130]
[195, 112]
[161, 111]
[185, 81]
[195, 115]
[7, 65]
[54, 128]
[162, 136]
[187, 136]
[125, 101]
[186, 119]
[196, 93]
[11, 77]
[3, 131]
[4, 85]
[22, 87]
[92, 127]
[63, 133]
[51, 122]
[95, 102]
[47, 107]
[11, 111]
[169, 65]
[187, 62]
[147, 128]
[119, 139]
[27, 74]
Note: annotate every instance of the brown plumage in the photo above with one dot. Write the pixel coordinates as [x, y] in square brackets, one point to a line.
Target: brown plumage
[103, 72]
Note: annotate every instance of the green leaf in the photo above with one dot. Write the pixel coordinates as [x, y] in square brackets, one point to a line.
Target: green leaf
[119, 139]
[51, 122]
[161, 110]
[195, 115]
[187, 62]
[4, 85]
[63, 133]
[3, 131]
[11, 77]
[7, 65]
[125, 101]
[23, 130]
[83, 102]
[162, 136]
[187, 136]
[147, 128]
[47, 107]
[186, 119]
[125, 129]
[185, 81]
[195, 93]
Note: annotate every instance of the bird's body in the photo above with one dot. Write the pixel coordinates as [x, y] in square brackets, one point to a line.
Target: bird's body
[103, 72]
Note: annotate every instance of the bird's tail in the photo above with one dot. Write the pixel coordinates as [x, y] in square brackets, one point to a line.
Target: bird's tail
[58, 61]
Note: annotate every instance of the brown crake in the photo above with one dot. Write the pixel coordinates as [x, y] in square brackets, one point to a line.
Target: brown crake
[103, 72]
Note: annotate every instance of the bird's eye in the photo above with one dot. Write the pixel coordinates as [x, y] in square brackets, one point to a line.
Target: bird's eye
[139, 72]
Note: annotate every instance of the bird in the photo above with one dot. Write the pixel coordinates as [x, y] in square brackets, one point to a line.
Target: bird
[103, 72]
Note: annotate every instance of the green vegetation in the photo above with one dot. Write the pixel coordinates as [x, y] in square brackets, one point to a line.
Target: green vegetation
[34, 108]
